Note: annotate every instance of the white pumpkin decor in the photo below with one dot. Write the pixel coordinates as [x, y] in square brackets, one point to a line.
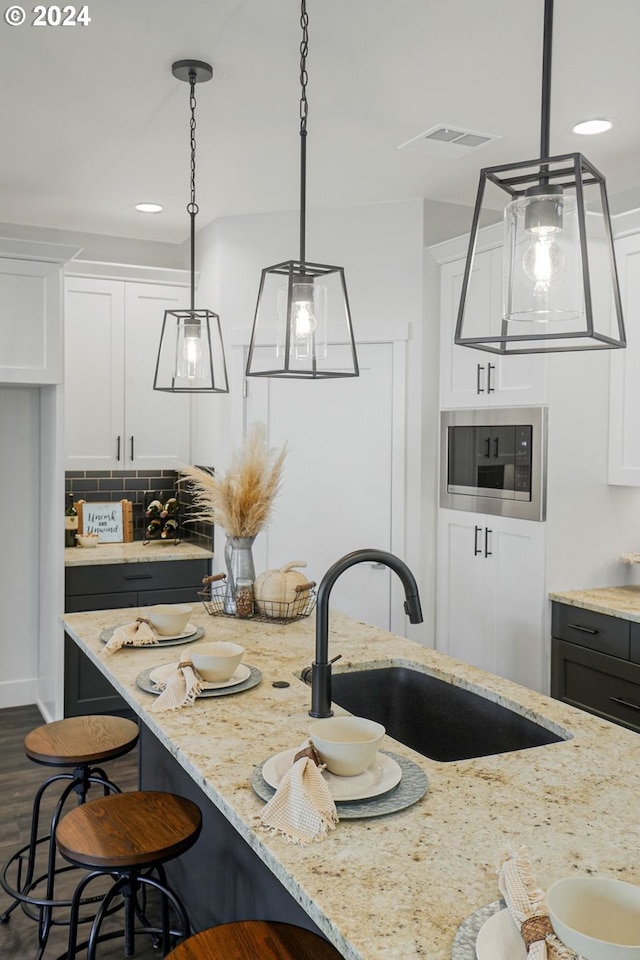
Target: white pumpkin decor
[275, 590]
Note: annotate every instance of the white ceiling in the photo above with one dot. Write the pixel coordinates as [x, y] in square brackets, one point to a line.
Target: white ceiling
[93, 121]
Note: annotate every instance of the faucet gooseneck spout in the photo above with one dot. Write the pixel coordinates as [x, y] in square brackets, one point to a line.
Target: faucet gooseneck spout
[321, 675]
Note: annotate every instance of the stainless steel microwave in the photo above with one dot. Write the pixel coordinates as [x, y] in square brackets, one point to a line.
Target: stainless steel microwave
[494, 460]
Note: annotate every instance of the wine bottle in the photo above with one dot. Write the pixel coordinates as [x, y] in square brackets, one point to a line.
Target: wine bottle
[70, 523]
[154, 528]
[170, 530]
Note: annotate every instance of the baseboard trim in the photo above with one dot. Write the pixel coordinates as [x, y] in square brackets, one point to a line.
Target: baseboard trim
[18, 693]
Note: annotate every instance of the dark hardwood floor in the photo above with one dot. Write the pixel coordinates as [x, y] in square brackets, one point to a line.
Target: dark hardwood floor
[19, 780]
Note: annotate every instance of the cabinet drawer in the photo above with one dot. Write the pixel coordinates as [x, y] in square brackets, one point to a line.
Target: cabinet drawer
[597, 631]
[147, 598]
[595, 682]
[125, 577]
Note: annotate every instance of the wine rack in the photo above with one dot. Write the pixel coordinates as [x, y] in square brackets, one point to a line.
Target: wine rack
[161, 517]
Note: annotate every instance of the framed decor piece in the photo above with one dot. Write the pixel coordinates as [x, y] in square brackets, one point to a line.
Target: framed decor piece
[112, 521]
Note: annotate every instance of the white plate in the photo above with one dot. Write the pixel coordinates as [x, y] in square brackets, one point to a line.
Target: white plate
[188, 631]
[242, 673]
[499, 939]
[383, 775]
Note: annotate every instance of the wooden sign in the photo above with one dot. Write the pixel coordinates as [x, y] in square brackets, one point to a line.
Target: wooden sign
[113, 522]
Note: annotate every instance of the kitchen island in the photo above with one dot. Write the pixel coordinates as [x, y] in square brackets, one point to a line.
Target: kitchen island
[395, 886]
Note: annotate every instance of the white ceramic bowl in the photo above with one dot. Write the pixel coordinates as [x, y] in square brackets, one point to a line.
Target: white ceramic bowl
[88, 539]
[169, 619]
[348, 745]
[599, 919]
[217, 661]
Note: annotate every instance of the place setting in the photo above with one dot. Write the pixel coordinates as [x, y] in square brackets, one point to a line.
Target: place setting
[167, 624]
[577, 918]
[209, 670]
[341, 772]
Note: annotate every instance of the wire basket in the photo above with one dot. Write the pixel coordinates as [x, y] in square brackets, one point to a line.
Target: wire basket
[272, 611]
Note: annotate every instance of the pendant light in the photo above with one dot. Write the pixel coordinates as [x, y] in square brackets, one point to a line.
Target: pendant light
[191, 353]
[559, 279]
[302, 325]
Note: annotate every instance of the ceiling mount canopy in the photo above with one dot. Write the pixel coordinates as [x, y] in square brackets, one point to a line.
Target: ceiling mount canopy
[559, 278]
[302, 325]
[191, 353]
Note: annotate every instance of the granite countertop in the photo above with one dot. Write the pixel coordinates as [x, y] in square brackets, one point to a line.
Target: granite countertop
[136, 552]
[397, 886]
[622, 602]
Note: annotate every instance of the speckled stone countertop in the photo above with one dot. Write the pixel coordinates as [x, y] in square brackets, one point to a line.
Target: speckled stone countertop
[136, 552]
[623, 602]
[397, 886]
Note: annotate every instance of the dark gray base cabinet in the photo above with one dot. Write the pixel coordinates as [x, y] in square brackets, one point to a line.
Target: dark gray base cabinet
[595, 663]
[107, 587]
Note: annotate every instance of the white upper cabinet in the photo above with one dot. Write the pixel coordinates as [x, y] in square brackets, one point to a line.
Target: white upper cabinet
[476, 378]
[114, 419]
[31, 311]
[624, 404]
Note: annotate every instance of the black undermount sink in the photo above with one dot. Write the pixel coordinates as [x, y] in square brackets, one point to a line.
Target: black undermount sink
[435, 718]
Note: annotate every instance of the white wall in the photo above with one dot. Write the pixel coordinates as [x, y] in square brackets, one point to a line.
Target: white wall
[590, 522]
[19, 544]
[381, 249]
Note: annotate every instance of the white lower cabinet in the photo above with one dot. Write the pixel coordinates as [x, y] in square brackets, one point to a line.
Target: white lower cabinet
[114, 419]
[490, 607]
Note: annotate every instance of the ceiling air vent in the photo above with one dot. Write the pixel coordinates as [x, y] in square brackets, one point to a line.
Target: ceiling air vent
[450, 142]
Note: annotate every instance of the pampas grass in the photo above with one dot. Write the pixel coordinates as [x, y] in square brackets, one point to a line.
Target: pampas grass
[240, 501]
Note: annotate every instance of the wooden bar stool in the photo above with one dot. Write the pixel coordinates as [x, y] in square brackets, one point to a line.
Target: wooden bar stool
[128, 836]
[79, 743]
[255, 940]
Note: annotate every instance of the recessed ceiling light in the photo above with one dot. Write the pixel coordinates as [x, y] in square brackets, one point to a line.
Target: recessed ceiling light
[590, 127]
[149, 207]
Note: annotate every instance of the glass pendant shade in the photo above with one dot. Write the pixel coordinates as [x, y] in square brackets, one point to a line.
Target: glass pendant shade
[559, 280]
[191, 355]
[302, 325]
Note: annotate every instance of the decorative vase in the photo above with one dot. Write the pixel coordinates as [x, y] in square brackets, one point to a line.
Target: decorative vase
[239, 560]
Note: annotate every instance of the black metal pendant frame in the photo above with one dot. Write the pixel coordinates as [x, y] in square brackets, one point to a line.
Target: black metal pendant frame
[573, 172]
[191, 72]
[295, 269]
[570, 171]
[206, 320]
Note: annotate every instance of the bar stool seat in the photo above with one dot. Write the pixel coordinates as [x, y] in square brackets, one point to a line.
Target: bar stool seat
[79, 744]
[255, 940]
[128, 836]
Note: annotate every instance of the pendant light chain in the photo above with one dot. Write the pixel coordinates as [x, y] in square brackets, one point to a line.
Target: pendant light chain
[304, 113]
[192, 206]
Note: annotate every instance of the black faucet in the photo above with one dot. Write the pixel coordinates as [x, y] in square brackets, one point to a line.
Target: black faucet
[321, 669]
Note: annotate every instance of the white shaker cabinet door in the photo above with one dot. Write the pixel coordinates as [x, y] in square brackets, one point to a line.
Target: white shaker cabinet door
[624, 435]
[475, 378]
[114, 419]
[30, 322]
[491, 594]
[338, 477]
[157, 425]
[94, 374]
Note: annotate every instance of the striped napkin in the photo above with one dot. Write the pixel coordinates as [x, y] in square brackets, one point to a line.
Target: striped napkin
[302, 809]
[527, 905]
[180, 684]
[139, 633]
